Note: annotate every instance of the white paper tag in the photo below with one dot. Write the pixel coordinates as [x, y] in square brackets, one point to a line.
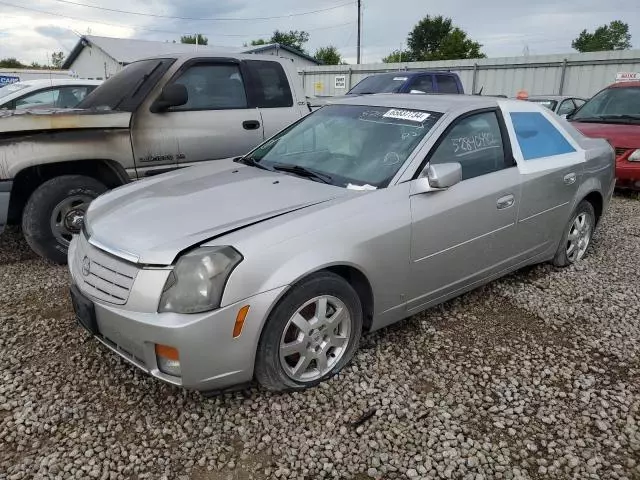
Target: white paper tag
[411, 115]
[366, 186]
[399, 79]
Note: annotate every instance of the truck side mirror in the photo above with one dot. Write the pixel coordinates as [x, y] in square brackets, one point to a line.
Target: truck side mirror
[173, 95]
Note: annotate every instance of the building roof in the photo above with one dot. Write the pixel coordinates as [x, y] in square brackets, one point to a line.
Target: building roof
[269, 46]
[126, 50]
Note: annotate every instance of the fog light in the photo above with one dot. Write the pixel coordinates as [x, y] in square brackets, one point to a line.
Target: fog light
[168, 360]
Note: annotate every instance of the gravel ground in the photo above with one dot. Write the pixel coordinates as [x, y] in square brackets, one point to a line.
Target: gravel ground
[534, 376]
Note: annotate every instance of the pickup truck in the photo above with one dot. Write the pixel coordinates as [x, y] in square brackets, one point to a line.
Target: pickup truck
[156, 115]
[418, 81]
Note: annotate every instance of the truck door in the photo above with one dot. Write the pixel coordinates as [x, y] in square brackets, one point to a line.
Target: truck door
[217, 121]
[270, 91]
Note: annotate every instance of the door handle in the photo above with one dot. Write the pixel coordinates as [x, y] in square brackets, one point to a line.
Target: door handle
[569, 178]
[505, 202]
[251, 124]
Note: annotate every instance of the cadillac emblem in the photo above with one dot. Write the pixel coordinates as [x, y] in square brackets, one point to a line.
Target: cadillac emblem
[86, 266]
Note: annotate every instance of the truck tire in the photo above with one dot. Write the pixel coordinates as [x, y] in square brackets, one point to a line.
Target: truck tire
[55, 211]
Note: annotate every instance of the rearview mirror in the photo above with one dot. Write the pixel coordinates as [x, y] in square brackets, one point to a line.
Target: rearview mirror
[173, 95]
[444, 175]
[439, 176]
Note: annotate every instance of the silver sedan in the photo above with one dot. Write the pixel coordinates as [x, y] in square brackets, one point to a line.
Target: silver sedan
[271, 267]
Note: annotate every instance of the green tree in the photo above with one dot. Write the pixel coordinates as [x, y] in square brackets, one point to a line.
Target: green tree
[328, 55]
[437, 38]
[260, 41]
[398, 56]
[11, 63]
[614, 36]
[57, 59]
[202, 40]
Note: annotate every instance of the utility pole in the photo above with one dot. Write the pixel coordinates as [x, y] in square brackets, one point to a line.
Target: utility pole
[359, 27]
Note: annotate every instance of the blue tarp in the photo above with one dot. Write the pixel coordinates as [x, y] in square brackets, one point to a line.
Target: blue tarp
[537, 136]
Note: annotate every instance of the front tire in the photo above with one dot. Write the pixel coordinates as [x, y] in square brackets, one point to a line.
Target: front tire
[577, 235]
[55, 212]
[310, 335]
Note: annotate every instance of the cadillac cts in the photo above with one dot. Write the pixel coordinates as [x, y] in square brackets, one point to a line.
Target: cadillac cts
[272, 266]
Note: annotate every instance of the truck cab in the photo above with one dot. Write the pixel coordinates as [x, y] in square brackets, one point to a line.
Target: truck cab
[156, 115]
[409, 82]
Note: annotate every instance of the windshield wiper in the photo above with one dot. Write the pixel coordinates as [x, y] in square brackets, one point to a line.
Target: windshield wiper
[252, 162]
[303, 172]
[606, 118]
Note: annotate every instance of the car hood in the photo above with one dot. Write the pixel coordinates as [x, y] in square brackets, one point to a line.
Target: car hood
[620, 135]
[152, 221]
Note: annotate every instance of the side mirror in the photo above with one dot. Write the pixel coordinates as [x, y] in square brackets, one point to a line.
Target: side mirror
[173, 95]
[439, 176]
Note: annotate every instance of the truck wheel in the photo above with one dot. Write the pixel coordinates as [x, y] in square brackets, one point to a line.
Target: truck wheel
[55, 212]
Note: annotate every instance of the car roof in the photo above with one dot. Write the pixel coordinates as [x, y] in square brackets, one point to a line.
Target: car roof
[409, 73]
[430, 102]
[54, 82]
[624, 85]
[550, 97]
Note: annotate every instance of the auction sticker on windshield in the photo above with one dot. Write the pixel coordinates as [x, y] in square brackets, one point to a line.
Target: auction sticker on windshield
[410, 115]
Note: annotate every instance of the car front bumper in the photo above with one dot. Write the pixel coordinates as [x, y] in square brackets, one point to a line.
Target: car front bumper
[628, 174]
[5, 196]
[210, 357]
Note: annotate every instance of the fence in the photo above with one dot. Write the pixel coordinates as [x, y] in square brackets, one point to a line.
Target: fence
[580, 74]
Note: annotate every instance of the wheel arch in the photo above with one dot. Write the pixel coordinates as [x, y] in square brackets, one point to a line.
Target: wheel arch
[107, 171]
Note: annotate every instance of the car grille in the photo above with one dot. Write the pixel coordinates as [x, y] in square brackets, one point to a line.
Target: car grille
[620, 151]
[107, 278]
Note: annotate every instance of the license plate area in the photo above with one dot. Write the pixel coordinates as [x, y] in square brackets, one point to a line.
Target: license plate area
[85, 311]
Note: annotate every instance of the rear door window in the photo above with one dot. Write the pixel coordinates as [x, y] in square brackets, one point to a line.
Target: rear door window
[423, 83]
[537, 137]
[268, 85]
[447, 84]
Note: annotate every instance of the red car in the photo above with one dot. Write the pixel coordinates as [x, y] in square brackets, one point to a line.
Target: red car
[614, 114]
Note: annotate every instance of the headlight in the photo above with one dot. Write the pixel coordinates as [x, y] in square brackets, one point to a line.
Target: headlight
[196, 283]
[635, 156]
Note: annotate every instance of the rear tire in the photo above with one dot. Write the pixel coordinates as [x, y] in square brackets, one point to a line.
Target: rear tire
[576, 236]
[330, 313]
[55, 212]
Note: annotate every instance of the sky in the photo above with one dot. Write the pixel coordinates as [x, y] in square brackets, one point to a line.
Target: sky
[31, 31]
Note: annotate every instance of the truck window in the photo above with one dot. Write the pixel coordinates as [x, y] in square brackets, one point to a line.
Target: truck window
[213, 87]
[447, 84]
[269, 86]
[423, 83]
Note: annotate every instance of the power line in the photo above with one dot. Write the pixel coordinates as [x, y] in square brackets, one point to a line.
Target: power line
[289, 15]
[173, 32]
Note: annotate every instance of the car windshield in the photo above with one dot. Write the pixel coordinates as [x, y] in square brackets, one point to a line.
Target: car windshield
[353, 146]
[122, 91]
[12, 88]
[379, 84]
[612, 105]
[550, 104]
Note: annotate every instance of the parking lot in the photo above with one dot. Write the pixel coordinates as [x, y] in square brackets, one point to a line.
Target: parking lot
[534, 376]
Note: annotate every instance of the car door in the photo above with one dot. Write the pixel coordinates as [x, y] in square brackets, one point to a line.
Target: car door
[421, 83]
[551, 164]
[269, 90]
[215, 123]
[464, 234]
